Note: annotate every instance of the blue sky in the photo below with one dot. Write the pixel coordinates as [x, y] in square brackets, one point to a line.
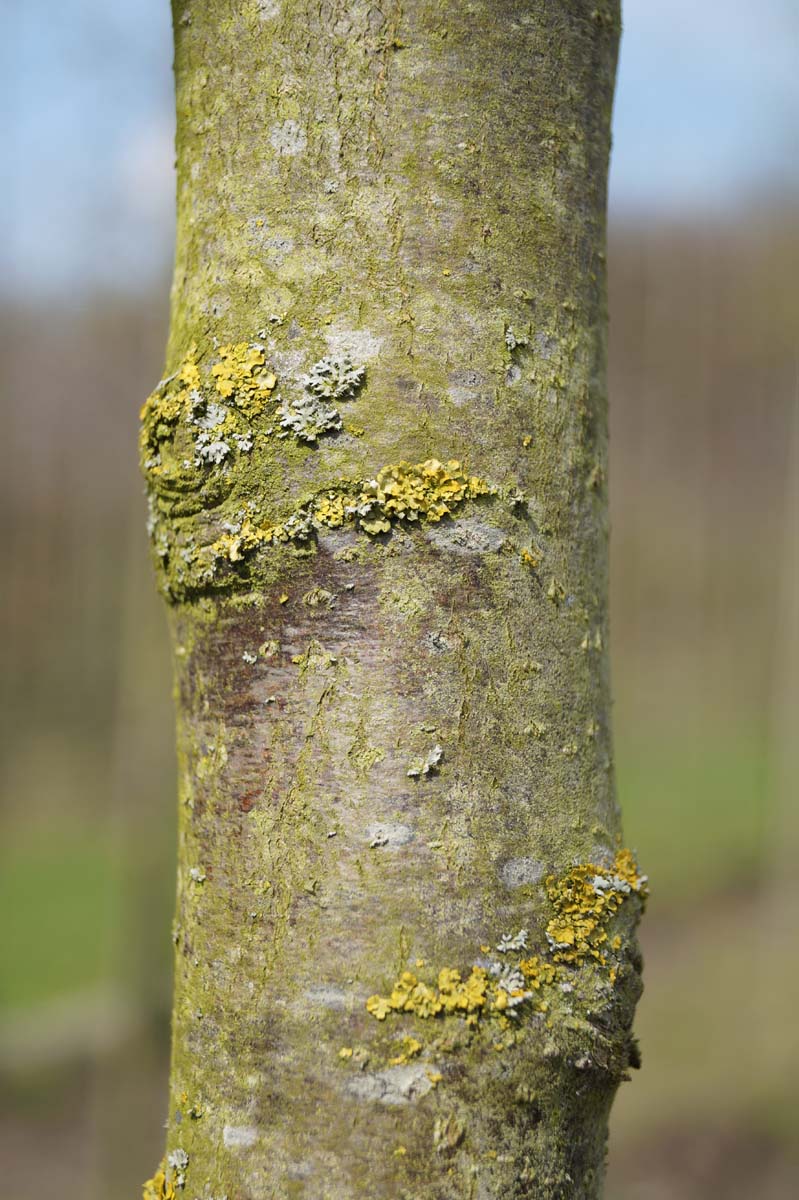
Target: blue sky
[707, 103]
[706, 118]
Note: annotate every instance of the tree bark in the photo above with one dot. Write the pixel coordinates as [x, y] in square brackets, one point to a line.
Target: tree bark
[405, 952]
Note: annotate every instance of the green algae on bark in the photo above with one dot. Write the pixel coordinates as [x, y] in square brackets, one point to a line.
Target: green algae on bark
[376, 470]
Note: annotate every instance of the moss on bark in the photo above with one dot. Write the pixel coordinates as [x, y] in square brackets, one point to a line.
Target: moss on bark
[393, 715]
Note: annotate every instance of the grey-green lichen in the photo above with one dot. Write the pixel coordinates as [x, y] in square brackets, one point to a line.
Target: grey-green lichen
[335, 377]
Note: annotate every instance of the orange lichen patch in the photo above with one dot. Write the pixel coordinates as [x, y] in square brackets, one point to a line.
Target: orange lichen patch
[159, 1187]
[584, 900]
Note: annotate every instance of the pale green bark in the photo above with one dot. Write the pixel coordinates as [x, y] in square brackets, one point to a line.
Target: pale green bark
[422, 185]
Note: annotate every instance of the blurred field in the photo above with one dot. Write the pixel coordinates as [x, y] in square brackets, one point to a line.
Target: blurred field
[704, 324]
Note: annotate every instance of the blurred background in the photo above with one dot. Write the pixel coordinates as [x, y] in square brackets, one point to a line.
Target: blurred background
[704, 263]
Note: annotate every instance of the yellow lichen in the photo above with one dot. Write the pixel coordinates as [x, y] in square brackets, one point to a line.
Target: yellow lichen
[538, 971]
[584, 900]
[203, 418]
[409, 995]
[411, 1046]
[378, 1006]
[410, 492]
[422, 491]
[462, 996]
[241, 374]
[500, 1002]
[185, 428]
[159, 1187]
[453, 995]
[189, 372]
[330, 509]
[235, 546]
[400, 492]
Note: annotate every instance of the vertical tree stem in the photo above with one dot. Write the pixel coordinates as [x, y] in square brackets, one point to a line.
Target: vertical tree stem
[406, 963]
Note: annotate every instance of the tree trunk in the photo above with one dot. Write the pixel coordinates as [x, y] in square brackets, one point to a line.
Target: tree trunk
[405, 954]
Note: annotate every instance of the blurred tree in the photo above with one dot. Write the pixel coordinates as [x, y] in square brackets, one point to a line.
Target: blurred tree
[376, 471]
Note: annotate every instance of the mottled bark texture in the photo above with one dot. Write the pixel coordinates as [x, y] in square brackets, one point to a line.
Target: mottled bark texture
[378, 512]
